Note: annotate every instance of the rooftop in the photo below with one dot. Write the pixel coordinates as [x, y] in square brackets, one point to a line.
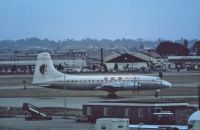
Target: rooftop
[138, 104]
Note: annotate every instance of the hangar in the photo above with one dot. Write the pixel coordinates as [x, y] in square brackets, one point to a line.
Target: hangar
[125, 58]
[128, 61]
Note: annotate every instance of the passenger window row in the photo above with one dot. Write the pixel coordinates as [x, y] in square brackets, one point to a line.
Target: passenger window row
[97, 81]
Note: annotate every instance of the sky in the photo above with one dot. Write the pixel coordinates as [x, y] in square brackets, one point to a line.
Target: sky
[100, 19]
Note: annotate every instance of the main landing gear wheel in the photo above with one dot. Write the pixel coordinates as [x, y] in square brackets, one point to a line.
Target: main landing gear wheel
[112, 95]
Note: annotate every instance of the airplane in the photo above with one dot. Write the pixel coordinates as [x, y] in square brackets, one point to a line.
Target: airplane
[46, 75]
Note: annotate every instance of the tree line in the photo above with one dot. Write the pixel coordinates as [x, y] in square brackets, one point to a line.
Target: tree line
[74, 44]
[164, 48]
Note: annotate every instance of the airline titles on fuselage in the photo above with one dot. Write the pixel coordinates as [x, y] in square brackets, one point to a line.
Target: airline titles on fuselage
[120, 78]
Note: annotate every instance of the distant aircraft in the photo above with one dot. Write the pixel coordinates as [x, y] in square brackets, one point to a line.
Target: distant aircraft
[46, 75]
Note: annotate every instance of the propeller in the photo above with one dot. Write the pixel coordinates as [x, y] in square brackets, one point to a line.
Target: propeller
[138, 82]
[134, 85]
[161, 76]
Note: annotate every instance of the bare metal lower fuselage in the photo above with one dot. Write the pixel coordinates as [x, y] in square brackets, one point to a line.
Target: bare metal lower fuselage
[92, 86]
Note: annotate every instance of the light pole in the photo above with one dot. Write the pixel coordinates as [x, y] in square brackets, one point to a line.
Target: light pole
[199, 96]
[65, 114]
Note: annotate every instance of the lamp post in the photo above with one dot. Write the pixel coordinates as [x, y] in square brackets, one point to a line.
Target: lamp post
[199, 96]
[65, 114]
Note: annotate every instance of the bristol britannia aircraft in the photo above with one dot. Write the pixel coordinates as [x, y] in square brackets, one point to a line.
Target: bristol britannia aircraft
[46, 75]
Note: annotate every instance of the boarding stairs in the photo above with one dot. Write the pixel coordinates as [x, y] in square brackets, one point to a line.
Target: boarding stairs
[35, 113]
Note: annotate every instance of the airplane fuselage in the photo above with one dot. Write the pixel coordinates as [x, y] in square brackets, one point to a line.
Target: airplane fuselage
[126, 82]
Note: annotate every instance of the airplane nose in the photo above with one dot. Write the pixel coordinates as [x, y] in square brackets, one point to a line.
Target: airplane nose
[166, 84]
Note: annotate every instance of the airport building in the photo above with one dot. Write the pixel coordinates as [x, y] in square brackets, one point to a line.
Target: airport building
[125, 61]
[148, 113]
[25, 63]
[134, 61]
[187, 62]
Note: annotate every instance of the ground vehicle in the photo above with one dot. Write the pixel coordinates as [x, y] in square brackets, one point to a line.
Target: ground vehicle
[163, 118]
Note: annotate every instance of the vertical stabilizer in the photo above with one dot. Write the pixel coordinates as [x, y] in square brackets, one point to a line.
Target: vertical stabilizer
[45, 70]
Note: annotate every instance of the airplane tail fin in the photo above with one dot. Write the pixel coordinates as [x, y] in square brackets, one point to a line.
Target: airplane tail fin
[45, 70]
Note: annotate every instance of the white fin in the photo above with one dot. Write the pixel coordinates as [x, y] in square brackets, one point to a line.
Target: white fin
[45, 70]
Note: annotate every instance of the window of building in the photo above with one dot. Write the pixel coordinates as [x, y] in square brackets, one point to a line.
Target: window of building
[89, 111]
[140, 112]
[105, 111]
[158, 109]
[127, 112]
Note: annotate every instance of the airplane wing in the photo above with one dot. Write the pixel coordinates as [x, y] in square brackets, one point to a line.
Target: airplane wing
[44, 85]
[117, 86]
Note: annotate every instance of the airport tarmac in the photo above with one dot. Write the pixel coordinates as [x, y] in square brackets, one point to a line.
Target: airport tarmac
[57, 123]
[72, 102]
[12, 91]
[12, 94]
[178, 79]
[76, 102]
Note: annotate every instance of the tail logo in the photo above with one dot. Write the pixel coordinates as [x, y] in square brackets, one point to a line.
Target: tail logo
[43, 68]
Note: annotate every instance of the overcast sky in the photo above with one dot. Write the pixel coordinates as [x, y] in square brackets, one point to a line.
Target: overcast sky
[100, 19]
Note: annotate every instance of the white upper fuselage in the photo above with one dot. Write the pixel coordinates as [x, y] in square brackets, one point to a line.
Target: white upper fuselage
[96, 81]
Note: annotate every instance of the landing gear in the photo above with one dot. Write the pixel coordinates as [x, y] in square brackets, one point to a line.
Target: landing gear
[112, 95]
